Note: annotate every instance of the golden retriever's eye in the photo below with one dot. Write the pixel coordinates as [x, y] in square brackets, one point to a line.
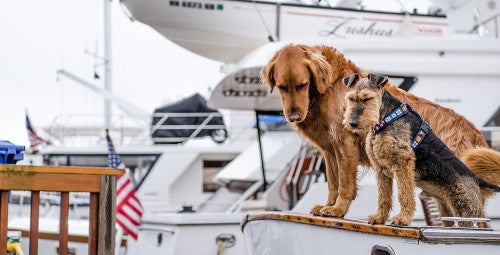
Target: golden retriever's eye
[282, 88]
[301, 86]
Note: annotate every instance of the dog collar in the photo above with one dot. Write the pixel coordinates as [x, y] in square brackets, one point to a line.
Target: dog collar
[397, 113]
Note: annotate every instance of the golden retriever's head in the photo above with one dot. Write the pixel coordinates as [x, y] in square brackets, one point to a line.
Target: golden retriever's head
[300, 74]
[363, 101]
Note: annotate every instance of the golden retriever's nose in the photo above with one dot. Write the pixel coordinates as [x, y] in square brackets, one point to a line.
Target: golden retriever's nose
[294, 116]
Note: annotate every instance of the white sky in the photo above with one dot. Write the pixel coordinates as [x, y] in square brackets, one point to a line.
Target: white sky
[40, 37]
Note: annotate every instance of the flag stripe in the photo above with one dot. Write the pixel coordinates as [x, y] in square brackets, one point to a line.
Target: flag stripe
[127, 227]
[131, 215]
[128, 207]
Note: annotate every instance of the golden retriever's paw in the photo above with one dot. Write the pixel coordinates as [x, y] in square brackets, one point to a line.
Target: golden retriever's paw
[333, 211]
[316, 210]
[377, 218]
[401, 220]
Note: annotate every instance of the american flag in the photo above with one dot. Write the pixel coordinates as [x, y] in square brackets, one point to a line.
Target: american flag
[34, 138]
[128, 207]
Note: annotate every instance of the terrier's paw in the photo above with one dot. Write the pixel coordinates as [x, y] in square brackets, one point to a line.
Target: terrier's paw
[377, 218]
[316, 210]
[333, 211]
[400, 220]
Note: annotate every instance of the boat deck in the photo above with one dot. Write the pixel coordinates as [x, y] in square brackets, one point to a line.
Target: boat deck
[427, 234]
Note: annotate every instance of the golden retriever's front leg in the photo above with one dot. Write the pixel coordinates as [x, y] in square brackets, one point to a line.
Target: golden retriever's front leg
[347, 162]
[332, 179]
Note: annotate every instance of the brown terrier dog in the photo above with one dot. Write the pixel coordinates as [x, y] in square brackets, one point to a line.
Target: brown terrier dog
[401, 145]
[310, 83]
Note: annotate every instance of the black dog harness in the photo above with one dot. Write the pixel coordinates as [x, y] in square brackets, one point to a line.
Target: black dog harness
[399, 112]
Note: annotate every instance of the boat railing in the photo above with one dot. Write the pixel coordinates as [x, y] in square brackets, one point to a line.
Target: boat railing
[197, 129]
[492, 21]
[457, 220]
[99, 182]
[300, 172]
[430, 209]
[86, 129]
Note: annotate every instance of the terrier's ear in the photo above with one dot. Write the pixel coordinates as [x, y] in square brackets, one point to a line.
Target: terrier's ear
[349, 81]
[377, 80]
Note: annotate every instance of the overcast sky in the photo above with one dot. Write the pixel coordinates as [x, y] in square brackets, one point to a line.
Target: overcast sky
[40, 37]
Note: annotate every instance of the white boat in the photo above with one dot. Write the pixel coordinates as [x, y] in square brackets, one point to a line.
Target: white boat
[433, 56]
[227, 30]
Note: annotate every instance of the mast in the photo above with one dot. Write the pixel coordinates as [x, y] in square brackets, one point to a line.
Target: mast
[107, 63]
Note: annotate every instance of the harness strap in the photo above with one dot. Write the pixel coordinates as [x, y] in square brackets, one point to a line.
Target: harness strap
[421, 134]
[399, 112]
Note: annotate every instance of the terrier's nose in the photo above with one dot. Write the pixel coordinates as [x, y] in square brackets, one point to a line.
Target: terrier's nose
[353, 124]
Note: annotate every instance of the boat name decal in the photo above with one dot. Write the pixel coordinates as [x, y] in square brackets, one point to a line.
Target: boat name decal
[247, 79]
[196, 5]
[447, 100]
[344, 26]
[244, 80]
[244, 93]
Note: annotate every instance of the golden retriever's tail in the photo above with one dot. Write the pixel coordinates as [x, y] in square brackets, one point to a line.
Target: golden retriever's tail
[485, 163]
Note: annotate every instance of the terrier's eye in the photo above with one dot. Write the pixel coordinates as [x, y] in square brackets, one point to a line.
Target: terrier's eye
[301, 86]
[366, 99]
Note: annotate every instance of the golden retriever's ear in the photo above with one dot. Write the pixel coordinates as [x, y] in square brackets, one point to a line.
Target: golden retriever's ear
[267, 75]
[351, 80]
[320, 71]
[377, 80]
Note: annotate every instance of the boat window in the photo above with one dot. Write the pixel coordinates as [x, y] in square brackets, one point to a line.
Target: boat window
[273, 122]
[210, 169]
[139, 164]
[382, 249]
[491, 131]
[403, 82]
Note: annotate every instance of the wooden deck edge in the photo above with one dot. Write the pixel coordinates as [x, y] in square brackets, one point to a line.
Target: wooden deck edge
[29, 170]
[337, 223]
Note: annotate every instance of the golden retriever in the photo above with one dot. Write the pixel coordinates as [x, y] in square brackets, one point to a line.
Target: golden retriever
[309, 80]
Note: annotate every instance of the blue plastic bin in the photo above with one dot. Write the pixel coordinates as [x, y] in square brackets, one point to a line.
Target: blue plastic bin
[10, 153]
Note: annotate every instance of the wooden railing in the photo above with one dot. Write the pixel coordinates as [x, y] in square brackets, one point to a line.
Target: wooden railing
[99, 182]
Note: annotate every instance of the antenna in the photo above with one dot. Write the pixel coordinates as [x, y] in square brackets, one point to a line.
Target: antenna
[107, 63]
[135, 113]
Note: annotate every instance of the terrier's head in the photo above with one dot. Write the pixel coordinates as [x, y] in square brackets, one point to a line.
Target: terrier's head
[363, 101]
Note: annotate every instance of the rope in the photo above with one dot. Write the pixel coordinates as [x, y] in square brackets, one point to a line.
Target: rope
[220, 249]
[270, 36]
